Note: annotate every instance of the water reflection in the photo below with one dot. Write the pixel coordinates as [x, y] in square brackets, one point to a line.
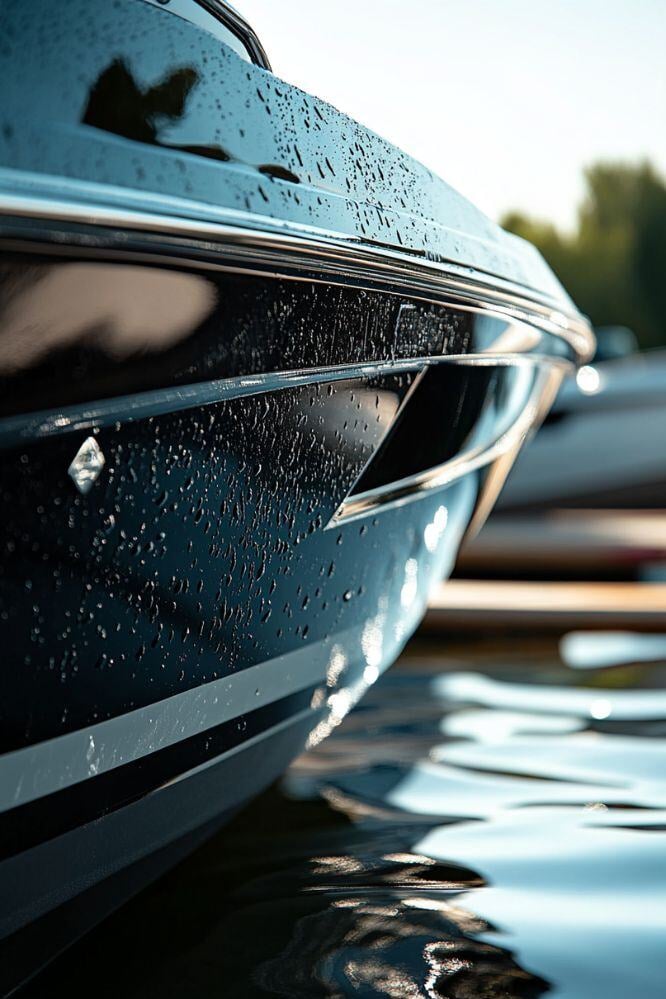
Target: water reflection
[592, 650]
[473, 829]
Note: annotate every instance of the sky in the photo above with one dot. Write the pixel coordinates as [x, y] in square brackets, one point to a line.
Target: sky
[507, 100]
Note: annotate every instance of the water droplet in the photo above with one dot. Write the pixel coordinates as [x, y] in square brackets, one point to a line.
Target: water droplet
[87, 465]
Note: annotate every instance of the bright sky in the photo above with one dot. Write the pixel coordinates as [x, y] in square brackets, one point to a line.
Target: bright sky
[507, 100]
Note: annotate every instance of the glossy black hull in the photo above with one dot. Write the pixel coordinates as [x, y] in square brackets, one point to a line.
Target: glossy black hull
[251, 399]
[254, 548]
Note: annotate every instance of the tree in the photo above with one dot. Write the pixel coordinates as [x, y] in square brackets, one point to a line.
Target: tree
[614, 263]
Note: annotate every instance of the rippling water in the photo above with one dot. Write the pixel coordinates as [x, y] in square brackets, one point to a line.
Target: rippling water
[489, 825]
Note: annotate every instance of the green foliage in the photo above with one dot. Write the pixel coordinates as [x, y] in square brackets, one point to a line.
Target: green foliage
[614, 263]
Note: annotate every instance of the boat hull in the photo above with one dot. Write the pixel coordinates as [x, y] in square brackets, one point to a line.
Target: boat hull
[234, 559]
[259, 374]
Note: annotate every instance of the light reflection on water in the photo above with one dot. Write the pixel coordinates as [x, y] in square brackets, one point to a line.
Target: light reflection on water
[493, 830]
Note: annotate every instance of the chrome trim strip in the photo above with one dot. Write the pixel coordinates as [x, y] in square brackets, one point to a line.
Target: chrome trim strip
[416, 486]
[45, 767]
[155, 402]
[301, 248]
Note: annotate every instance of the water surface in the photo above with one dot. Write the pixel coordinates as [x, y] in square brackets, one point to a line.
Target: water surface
[489, 823]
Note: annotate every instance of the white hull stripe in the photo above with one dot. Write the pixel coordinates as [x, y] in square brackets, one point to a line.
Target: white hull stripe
[49, 766]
